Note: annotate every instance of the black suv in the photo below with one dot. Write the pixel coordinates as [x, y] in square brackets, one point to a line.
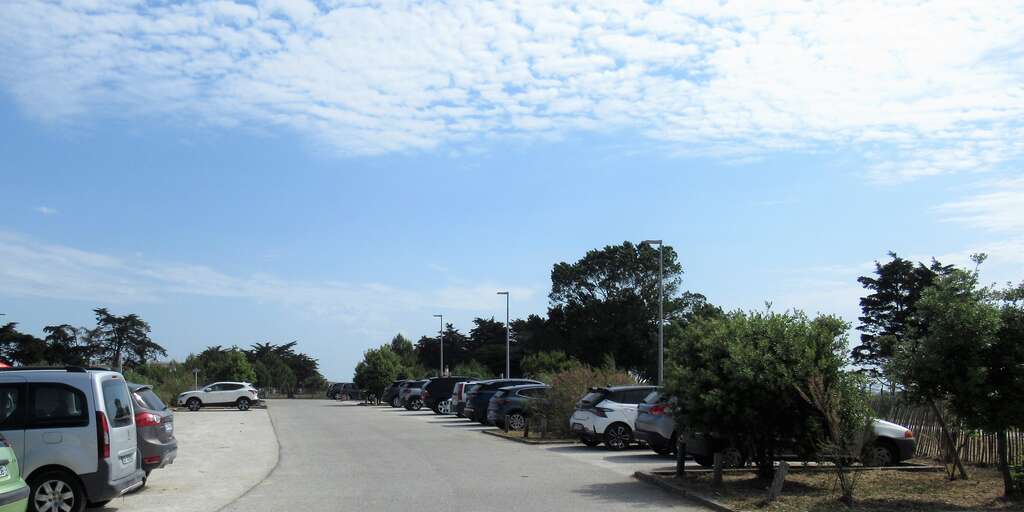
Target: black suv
[439, 389]
[391, 393]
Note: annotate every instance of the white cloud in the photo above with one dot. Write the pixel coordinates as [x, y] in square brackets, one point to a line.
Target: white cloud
[46, 210]
[29, 268]
[920, 88]
[999, 208]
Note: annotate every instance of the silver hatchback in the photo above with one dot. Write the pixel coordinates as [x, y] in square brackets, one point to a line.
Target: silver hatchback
[655, 424]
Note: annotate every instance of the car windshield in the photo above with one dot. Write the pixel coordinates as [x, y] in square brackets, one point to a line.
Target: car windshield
[653, 397]
[592, 398]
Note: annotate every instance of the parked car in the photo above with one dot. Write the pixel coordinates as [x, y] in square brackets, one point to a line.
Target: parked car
[410, 396]
[154, 424]
[73, 433]
[655, 424]
[391, 393]
[890, 444]
[237, 394]
[347, 391]
[332, 390]
[13, 489]
[513, 403]
[459, 393]
[438, 390]
[480, 396]
[608, 415]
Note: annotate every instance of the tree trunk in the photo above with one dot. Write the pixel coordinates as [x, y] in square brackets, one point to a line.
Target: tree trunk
[1004, 465]
[950, 444]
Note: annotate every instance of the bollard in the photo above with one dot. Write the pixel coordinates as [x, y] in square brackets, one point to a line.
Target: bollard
[780, 477]
[716, 479]
[543, 427]
[680, 459]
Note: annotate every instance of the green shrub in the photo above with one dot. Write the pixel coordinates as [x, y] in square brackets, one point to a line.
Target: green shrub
[567, 387]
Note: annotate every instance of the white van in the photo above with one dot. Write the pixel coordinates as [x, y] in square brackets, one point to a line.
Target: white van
[73, 430]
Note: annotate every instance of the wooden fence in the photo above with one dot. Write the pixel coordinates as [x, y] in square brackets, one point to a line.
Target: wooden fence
[976, 447]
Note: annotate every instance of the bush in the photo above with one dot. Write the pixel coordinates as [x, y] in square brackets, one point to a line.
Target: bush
[168, 380]
[568, 387]
[547, 363]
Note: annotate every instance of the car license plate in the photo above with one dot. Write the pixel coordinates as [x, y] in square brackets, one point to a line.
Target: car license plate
[127, 459]
[3, 471]
[169, 427]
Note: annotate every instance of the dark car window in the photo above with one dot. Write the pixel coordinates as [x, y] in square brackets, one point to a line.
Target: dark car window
[117, 403]
[59, 405]
[593, 398]
[635, 396]
[533, 392]
[231, 387]
[12, 407]
[146, 398]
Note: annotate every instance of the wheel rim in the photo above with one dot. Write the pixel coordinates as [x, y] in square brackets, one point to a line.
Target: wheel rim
[879, 456]
[618, 438]
[243, 404]
[516, 422]
[54, 496]
[193, 405]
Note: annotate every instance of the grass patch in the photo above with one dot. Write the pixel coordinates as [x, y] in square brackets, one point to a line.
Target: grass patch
[877, 491]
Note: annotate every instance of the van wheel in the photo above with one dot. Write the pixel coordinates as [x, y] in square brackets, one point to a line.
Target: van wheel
[396, 403]
[243, 404]
[193, 404]
[55, 491]
[879, 454]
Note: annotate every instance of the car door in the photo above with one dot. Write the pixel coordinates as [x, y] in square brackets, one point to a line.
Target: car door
[214, 394]
[57, 425]
[13, 406]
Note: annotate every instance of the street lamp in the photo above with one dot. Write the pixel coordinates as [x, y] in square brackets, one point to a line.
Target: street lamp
[441, 337]
[661, 309]
[508, 342]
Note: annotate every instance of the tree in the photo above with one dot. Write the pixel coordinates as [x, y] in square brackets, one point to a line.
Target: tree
[122, 341]
[473, 369]
[889, 311]
[738, 375]
[219, 364]
[303, 370]
[378, 369]
[607, 303]
[543, 364]
[65, 347]
[273, 374]
[971, 357]
[456, 349]
[18, 348]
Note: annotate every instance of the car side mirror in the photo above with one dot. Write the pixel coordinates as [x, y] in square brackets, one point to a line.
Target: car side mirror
[207, 390]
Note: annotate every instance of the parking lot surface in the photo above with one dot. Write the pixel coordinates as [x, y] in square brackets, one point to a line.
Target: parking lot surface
[222, 453]
[340, 456]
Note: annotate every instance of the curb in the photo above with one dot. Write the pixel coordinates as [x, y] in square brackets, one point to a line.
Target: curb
[910, 468]
[673, 488]
[524, 440]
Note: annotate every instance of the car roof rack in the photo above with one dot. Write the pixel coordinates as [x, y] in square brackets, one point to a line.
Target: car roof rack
[69, 369]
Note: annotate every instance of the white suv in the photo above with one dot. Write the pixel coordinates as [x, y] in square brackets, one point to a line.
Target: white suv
[73, 431]
[234, 394]
[608, 415]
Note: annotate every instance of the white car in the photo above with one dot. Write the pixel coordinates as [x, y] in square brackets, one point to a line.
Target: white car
[608, 415]
[234, 394]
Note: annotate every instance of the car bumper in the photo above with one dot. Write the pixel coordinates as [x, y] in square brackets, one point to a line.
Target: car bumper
[14, 500]
[165, 453]
[99, 488]
[654, 439]
[906, 448]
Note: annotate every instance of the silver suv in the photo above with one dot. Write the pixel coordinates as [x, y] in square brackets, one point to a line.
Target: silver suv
[73, 431]
[232, 394]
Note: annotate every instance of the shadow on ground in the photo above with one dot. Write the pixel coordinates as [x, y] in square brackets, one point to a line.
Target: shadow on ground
[632, 492]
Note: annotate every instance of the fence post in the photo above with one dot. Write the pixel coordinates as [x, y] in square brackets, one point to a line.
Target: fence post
[780, 476]
[543, 427]
[680, 458]
[716, 479]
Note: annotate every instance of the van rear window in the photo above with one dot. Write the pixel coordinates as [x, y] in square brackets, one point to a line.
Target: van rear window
[117, 403]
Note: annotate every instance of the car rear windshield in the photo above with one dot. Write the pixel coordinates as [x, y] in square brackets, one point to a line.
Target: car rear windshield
[653, 397]
[592, 398]
[117, 403]
[417, 384]
[151, 400]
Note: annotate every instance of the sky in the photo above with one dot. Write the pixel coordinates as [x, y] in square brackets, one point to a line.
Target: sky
[338, 172]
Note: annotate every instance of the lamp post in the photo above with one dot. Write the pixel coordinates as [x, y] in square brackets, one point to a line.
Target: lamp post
[441, 337]
[508, 341]
[661, 309]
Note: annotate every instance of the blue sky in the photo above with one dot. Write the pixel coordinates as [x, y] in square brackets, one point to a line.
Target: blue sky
[241, 172]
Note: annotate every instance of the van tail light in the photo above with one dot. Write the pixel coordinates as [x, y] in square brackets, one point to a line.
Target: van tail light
[658, 410]
[147, 419]
[102, 436]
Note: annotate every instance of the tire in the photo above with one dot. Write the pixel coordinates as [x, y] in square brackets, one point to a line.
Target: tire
[242, 404]
[879, 454]
[58, 487]
[618, 436]
[193, 404]
[396, 403]
[342, 397]
[590, 442]
[414, 404]
[668, 449]
[436, 408]
[516, 421]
